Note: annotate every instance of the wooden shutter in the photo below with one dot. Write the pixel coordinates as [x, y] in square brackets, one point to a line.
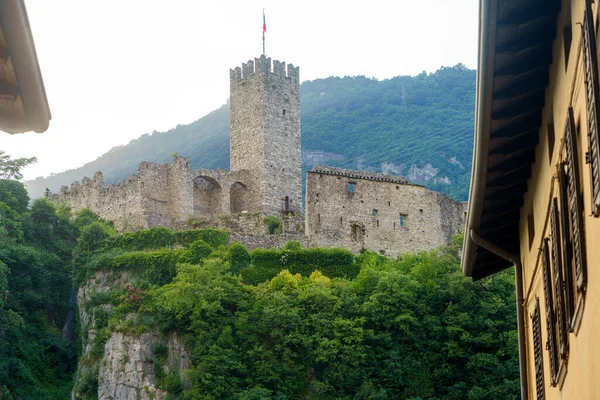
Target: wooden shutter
[575, 206]
[567, 252]
[536, 327]
[550, 322]
[590, 62]
[558, 281]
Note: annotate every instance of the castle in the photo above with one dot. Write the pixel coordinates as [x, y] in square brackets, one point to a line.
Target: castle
[351, 209]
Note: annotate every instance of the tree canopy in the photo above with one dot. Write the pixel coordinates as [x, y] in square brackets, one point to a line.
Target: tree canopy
[11, 168]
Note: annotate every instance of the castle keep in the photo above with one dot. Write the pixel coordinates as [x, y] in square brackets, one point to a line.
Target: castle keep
[265, 133]
[350, 209]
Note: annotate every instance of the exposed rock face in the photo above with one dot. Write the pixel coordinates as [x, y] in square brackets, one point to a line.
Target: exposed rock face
[127, 370]
[127, 367]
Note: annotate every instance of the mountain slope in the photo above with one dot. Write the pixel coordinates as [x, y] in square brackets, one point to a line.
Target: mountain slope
[420, 127]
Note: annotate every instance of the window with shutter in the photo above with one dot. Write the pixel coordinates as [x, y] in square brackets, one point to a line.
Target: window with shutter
[567, 253]
[575, 204]
[558, 280]
[591, 89]
[550, 320]
[536, 327]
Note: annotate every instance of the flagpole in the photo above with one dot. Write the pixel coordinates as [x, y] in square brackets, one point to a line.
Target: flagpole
[263, 31]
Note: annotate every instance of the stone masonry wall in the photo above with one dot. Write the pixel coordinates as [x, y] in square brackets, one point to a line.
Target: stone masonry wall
[121, 203]
[370, 216]
[161, 195]
[265, 132]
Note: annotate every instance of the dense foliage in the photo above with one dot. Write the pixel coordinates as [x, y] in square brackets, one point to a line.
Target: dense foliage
[412, 328]
[36, 242]
[396, 125]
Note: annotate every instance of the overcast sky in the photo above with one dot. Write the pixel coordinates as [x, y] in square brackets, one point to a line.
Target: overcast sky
[114, 70]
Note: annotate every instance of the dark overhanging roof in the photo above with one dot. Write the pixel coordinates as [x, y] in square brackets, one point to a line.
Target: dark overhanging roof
[515, 52]
[23, 102]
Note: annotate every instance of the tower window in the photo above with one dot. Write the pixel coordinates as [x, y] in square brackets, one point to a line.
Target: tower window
[284, 112]
[351, 187]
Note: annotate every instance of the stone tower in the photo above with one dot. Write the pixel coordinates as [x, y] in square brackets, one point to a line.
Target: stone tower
[265, 133]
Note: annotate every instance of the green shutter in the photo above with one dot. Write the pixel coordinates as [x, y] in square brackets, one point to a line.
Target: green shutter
[536, 328]
[567, 251]
[558, 281]
[590, 63]
[575, 203]
[550, 320]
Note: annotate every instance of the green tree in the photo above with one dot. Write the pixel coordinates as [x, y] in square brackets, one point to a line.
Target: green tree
[11, 168]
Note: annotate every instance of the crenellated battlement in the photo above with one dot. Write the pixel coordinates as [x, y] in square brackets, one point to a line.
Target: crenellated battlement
[264, 65]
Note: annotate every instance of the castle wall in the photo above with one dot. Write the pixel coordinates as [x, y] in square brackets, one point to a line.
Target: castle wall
[265, 133]
[121, 203]
[381, 215]
[160, 195]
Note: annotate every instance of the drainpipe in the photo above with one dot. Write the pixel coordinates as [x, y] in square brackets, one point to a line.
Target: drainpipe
[520, 315]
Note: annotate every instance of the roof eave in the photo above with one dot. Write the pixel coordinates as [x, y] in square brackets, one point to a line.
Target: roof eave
[487, 28]
[15, 24]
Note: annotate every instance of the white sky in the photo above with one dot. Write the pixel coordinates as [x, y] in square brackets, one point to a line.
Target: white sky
[114, 70]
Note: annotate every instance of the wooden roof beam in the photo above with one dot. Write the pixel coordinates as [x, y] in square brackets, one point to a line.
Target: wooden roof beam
[524, 105]
[531, 13]
[519, 87]
[528, 41]
[492, 207]
[520, 174]
[530, 122]
[508, 194]
[4, 53]
[8, 89]
[536, 60]
[524, 141]
[514, 162]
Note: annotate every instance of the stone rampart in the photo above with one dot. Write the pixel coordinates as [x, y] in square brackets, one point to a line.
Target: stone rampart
[162, 195]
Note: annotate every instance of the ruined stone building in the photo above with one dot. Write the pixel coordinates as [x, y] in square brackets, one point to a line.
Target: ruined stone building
[351, 209]
[385, 213]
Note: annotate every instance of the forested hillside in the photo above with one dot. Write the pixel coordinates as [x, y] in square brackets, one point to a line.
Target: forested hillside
[420, 127]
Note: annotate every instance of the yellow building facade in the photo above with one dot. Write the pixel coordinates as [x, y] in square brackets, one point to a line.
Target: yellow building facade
[535, 187]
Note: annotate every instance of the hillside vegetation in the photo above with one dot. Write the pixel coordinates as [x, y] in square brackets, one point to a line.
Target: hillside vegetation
[420, 127]
[36, 361]
[300, 323]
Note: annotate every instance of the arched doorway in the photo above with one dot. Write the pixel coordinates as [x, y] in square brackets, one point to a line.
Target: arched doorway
[207, 196]
[238, 200]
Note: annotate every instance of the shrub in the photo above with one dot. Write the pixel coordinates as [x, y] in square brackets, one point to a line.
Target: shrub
[154, 238]
[273, 224]
[158, 266]
[198, 251]
[239, 258]
[333, 263]
[292, 245]
[214, 237]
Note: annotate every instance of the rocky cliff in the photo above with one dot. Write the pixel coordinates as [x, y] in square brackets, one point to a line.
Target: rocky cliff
[124, 361]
